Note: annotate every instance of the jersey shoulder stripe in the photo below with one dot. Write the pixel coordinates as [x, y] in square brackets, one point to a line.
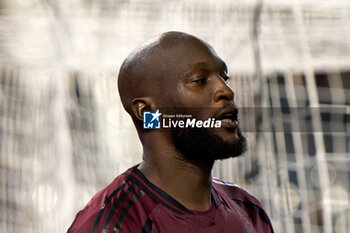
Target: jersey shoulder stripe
[102, 212]
[116, 207]
[108, 200]
[158, 194]
[147, 227]
[126, 209]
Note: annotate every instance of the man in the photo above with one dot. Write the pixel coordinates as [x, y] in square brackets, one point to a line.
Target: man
[172, 189]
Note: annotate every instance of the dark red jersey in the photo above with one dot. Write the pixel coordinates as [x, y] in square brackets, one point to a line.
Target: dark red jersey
[132, 204]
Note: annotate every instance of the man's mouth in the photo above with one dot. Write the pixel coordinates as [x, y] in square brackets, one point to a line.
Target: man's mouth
[228, 118]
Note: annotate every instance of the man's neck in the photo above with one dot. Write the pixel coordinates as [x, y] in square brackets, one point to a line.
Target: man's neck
[186, 182]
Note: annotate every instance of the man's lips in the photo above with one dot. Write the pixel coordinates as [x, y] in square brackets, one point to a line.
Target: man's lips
[229, 124]
[228, 117]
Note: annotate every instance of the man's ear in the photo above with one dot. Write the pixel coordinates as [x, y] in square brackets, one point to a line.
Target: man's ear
[139, 105]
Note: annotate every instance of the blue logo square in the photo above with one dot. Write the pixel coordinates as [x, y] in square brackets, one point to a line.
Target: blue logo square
[151, 120]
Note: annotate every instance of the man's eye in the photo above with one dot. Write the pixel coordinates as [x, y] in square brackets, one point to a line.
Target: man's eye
[201, 80]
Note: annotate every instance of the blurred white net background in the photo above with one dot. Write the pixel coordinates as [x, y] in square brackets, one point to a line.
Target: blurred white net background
[64, 134]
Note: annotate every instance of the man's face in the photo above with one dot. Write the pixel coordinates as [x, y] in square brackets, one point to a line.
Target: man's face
[196, 81]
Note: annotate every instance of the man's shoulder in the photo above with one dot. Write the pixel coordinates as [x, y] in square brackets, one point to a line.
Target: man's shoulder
[234, 192]
[106, 208]
[246, 201]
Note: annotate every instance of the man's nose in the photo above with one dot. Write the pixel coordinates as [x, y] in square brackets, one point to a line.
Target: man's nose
[222, 91]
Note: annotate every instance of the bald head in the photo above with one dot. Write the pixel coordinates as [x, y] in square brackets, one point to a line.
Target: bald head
[177, 73]
[146, 71]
